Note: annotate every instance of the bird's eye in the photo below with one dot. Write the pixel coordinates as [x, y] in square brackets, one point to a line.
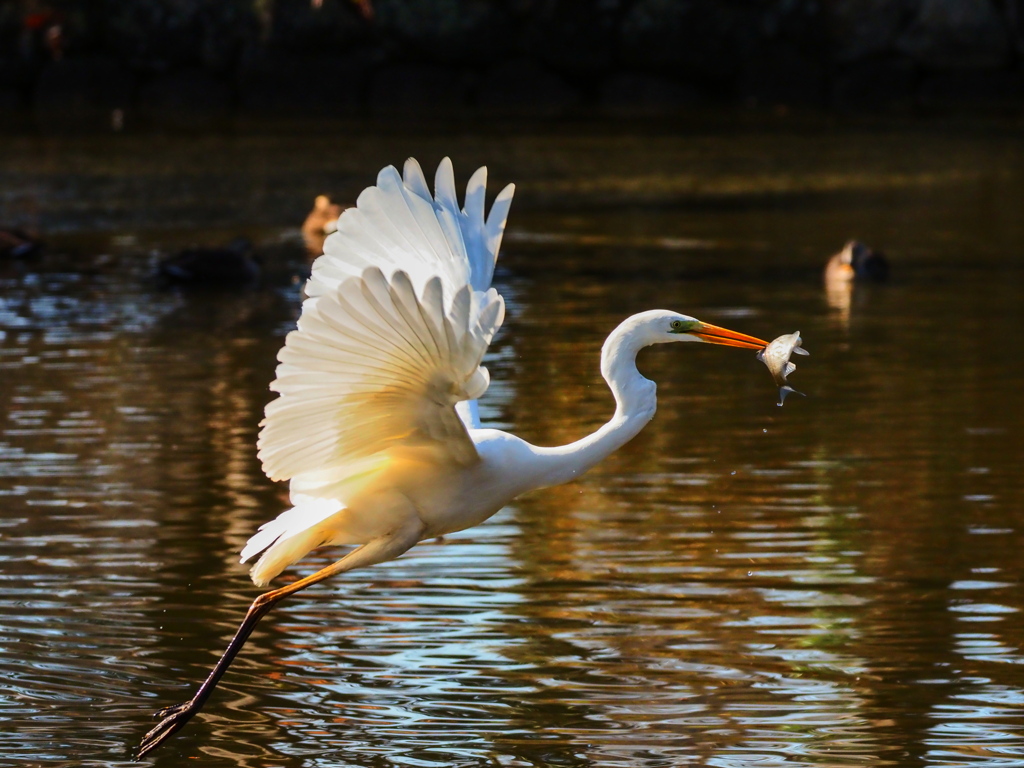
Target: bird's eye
[677, 325]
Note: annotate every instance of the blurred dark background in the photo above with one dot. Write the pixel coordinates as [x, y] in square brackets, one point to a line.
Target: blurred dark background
[199, 65]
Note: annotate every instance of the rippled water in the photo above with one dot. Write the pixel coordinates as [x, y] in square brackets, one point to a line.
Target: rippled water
[832, 583]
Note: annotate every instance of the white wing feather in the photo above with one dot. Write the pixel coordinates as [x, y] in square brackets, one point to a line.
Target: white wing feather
[373, 366]
[397, 224]
[399, 317]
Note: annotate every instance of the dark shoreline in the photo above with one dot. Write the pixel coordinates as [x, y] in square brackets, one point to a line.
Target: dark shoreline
[196, 66]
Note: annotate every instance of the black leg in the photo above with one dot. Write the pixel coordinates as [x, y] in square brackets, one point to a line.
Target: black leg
[173, 719]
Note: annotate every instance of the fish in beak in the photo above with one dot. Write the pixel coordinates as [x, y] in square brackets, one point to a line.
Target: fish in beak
[776, 356]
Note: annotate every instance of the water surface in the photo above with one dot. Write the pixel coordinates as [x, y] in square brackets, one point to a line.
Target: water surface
[832, 583]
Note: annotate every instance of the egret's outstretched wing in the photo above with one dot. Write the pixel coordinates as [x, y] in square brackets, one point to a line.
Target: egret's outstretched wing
[391, 339]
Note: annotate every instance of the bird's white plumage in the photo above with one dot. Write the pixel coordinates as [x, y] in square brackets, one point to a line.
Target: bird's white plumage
[399, 315]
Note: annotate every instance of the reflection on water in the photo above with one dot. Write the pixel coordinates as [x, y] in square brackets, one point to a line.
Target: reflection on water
[832, 583]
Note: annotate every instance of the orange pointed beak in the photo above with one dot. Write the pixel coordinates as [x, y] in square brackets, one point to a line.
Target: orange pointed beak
[713, 334]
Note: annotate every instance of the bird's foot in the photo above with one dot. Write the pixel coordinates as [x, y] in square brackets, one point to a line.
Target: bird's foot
[160, 714]
[172, 720]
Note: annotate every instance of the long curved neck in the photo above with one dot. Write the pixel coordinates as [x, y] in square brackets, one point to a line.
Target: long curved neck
[635, 404]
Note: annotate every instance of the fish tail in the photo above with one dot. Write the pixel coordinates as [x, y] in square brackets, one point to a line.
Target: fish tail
[785, 390]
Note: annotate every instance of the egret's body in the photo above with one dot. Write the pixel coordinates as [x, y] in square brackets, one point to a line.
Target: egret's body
[376, 425]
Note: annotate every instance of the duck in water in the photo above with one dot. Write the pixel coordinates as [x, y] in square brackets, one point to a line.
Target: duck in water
[229, 266]
[18, 244]
[321, 221]
[857, 261]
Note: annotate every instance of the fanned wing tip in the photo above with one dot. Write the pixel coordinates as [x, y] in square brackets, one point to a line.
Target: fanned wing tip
[506, 193]
[375, 275]
[493, 314]
[476, 196]
[444, 185]
[445, 170]
[477, 384]
[495, 227]
[399, 222]
[387, 174]
[415, 180]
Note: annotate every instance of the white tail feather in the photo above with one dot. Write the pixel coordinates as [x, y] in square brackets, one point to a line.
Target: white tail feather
[289, 537]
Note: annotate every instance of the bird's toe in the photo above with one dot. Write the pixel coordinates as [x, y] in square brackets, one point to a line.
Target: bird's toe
[160, 714]
[172, 720]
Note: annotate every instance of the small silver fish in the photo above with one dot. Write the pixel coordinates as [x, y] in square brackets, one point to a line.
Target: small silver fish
[776, 356]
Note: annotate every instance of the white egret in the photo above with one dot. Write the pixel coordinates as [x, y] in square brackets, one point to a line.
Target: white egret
[376, 424]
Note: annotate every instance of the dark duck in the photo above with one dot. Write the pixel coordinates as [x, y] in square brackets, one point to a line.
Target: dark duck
[18, 244]
[230, 266]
